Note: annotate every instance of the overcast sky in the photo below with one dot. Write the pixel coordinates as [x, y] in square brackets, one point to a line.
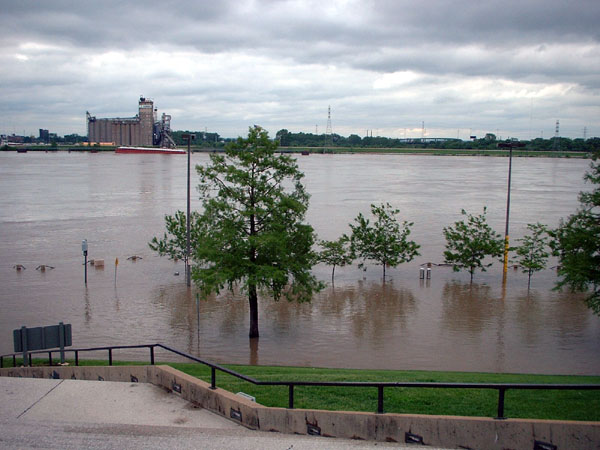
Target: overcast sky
[460, 67]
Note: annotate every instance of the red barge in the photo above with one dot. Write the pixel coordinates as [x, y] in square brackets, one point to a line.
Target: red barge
[167, 151]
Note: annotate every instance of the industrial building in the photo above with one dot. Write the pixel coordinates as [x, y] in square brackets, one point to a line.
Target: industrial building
[142, 130]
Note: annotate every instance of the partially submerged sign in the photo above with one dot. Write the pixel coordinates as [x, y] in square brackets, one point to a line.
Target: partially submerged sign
[42, 338]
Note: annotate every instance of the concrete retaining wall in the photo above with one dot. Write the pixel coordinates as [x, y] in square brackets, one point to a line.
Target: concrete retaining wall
[443, 431]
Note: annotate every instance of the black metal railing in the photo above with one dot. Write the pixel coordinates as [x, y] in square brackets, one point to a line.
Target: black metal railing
[500, 387]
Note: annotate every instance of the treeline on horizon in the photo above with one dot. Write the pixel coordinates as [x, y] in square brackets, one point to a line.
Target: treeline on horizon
[301, 139]
[489, 142]
[288, 139]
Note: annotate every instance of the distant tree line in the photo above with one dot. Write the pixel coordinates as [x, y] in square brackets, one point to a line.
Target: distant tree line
[203, 139]
[286, 138]
[489, 142]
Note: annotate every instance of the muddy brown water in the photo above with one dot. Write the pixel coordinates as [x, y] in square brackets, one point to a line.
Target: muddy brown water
[51, 201]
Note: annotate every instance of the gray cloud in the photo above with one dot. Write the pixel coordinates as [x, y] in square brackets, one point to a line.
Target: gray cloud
[389, 65]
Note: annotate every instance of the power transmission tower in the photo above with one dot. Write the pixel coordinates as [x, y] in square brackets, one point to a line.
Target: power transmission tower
[328, 131]
[556, 145]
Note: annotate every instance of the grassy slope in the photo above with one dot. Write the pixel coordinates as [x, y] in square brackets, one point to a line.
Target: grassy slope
[558, 405]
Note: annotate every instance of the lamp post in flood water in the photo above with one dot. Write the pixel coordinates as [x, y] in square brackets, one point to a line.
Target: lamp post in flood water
[510, 145]
[188, 278]
[84, 249]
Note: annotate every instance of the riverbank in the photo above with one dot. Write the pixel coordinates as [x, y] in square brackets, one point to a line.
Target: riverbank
[333, 151]
[435, 152]
[534, 404]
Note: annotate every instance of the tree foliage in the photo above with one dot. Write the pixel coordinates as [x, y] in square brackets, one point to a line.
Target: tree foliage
[174, 241]
[385, 240]
[251, 231]
[488, 142]
[577, 243]
[335, 253]
[533, 253]
[469, 242]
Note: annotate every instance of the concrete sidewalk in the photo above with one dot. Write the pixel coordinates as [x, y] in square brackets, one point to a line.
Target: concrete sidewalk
[47, 413]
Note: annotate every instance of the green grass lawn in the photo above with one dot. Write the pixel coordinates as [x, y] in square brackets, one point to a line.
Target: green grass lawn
[538, 404]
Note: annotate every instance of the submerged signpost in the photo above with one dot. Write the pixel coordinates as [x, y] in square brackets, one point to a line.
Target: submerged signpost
[84, 249]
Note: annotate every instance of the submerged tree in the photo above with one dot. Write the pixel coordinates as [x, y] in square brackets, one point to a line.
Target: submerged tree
[251, 232]
[174, 241]
[335, 253]
[469, 242]
[385, 240]
[576, 242]
[533, 252]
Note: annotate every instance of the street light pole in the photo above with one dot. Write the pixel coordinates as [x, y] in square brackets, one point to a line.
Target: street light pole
[510, 145]
[507, 212]
[188, 278]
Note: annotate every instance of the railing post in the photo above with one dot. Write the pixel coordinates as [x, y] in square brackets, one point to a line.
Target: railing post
[213, 378]
[30, 360]
[49, 358]
[1, 362]
[110, 356]
[14, 360]
[501, 403]
[380, 399]
[291, 397]
[76, 358]
[152, 355]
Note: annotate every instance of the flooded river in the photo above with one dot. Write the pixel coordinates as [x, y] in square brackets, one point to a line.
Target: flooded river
[51, 201]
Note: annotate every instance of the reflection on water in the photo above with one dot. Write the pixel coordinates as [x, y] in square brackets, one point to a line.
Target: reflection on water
[468, 308]
[441, 323]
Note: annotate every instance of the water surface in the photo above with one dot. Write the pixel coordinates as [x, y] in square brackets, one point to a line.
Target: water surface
[51, 201]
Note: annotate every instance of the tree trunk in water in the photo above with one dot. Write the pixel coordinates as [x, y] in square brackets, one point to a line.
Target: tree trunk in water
[253, 301]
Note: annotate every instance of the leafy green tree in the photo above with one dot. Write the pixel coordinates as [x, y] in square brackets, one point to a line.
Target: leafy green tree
[469, 242]
[577, 243]
[283, 136]
[533, 253]
[335, 253]
[174, 241]
[251, 232]
[385, 240]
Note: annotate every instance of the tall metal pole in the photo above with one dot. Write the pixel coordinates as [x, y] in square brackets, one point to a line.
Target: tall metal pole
[188, 277]
[187, 258]
[506, 244]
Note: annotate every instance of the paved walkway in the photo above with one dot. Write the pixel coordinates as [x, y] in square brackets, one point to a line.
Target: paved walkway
[74, 414]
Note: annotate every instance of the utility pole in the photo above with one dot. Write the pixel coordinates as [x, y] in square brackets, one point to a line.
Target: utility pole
[510, 145]
[188, 278]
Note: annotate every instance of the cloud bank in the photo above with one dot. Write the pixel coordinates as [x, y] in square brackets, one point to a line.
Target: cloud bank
[460, 67]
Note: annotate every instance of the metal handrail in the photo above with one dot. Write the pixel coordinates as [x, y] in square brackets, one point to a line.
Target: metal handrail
[380, 385]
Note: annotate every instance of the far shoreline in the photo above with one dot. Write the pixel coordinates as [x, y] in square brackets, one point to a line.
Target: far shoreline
[306, 151]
